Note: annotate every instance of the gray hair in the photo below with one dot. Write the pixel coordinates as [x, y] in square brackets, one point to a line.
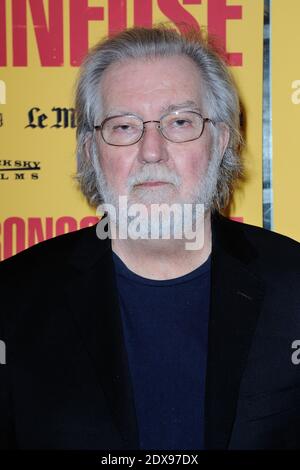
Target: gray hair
[221, 98]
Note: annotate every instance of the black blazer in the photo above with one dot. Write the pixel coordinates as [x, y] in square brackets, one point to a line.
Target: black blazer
[65, 384]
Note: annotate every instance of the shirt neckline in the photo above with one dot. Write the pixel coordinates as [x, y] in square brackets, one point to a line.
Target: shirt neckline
[123, 271]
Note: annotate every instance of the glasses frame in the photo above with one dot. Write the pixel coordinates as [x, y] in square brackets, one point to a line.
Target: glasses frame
[160, 129]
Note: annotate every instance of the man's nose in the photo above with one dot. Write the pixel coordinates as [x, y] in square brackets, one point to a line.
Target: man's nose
[152, 145]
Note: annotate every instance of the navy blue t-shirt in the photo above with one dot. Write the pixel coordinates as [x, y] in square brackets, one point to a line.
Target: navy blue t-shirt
[166, 333]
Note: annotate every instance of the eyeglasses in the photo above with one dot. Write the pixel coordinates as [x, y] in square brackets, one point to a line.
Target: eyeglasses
[128, 129]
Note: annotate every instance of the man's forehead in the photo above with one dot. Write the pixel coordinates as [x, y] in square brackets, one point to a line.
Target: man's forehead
[164, 109]
[166, 84]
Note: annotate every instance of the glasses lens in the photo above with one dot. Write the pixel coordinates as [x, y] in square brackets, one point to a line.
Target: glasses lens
[182, 126]
[122, 130]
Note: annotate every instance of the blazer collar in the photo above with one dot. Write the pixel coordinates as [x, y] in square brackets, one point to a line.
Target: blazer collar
[236, 295]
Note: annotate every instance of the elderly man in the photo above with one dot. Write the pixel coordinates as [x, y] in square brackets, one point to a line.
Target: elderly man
[144, 342]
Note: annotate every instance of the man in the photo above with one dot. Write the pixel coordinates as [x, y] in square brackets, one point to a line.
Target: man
[139, 342]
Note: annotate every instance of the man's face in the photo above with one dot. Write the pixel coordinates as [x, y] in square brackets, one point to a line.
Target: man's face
[147, 89]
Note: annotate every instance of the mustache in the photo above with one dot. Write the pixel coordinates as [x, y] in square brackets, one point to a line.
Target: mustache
[153, 173]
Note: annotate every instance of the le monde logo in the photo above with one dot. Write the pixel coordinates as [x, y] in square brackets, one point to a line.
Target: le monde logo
[57, 118]
[19, 169]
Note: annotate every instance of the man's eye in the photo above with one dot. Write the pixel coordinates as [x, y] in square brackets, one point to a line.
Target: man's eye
[124, 128]
[181, 123]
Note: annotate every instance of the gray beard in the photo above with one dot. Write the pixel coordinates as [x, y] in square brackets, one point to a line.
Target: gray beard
[202, 194]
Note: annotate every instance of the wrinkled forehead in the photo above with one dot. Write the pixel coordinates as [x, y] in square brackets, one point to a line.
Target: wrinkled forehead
[163, 84]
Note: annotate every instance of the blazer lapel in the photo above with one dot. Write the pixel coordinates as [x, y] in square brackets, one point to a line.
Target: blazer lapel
[92, 296]
[236, 295]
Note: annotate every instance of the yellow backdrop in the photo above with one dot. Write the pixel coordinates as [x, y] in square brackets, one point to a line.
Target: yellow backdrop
[286, 116]
[41, 46]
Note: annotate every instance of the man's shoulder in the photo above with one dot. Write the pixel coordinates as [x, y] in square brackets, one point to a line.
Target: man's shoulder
[261, 234]
[269, 238]
[266, 245]
[51, 253]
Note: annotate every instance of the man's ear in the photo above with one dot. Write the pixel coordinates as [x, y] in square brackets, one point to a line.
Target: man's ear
[223, 138]
[87, 148]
